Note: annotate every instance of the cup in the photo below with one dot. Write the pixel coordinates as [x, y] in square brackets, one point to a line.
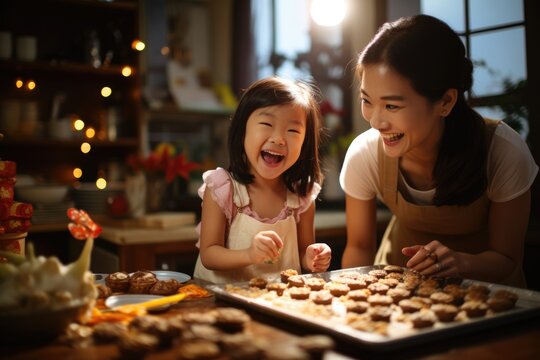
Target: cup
[26, 48]
[6, 46]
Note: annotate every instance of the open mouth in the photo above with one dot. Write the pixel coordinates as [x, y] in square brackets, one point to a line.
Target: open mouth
[271, 157]
[392, 137]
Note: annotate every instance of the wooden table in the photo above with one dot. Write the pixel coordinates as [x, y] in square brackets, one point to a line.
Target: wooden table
[519, 340]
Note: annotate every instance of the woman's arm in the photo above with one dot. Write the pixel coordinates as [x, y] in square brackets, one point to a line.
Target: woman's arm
[507, 228]
[361, 217]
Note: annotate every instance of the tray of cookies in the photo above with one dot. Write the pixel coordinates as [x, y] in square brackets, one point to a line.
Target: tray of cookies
[383, 307]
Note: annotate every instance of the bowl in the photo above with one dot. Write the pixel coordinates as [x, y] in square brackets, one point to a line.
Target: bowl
[38, 325]
[41, 194]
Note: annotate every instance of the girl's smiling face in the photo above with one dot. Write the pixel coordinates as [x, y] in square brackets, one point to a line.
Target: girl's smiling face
[409, 124]
[274, 138]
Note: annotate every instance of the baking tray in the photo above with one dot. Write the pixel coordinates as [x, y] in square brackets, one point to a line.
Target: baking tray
[527, 306]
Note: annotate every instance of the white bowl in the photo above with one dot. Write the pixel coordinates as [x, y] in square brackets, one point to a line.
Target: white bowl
[41, 194]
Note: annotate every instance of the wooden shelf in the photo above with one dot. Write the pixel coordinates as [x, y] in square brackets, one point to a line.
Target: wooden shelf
[53, 143]
[64, 68]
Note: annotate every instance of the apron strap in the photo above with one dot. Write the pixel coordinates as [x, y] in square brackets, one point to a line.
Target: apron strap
[388, 176]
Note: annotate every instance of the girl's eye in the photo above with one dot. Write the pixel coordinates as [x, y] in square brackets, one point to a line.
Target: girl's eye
[294, 131]
[265, 124]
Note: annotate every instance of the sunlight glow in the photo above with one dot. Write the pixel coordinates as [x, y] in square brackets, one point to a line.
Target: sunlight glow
[328, 12]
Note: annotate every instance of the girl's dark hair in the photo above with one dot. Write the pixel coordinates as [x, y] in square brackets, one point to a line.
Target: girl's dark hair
[431, 55]
[300, 177]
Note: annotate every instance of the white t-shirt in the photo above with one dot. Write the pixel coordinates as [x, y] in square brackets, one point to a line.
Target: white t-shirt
[511, 168]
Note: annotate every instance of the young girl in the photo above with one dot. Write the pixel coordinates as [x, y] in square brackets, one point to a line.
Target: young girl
[257, 217]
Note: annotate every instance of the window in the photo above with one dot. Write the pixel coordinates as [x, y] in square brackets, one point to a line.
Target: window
[290, 44]
[494, 34]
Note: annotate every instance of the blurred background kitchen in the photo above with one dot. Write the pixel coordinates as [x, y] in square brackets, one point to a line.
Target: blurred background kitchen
[118, 106]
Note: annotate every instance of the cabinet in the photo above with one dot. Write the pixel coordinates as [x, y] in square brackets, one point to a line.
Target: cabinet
[70, 50]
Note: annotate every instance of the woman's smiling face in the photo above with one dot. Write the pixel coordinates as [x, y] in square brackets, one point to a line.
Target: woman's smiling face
[274, 138]
[409, 124]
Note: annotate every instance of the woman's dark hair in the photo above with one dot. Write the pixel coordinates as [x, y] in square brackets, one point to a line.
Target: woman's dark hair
[432, 57]
[300, 177]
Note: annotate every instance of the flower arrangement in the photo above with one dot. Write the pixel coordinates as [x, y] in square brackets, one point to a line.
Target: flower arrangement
[164, 161]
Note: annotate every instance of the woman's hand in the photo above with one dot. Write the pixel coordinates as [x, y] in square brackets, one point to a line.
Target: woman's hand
[265, 246]
[435, 259]
[318, 257]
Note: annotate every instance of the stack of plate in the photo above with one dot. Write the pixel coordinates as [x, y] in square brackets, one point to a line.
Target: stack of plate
[51, 213]
[93, 200]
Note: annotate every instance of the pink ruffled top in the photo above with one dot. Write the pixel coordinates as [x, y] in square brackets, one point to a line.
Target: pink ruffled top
[219, 182]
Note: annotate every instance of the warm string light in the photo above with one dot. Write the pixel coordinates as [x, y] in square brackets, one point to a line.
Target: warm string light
[29, 85]
[106, 91]
[137, 45]
[85, 147]
[126, 71]
[101, 183]
[77, 173]
[90, 133]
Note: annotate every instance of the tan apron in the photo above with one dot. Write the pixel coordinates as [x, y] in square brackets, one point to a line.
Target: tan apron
[243, 228]
[461, 228]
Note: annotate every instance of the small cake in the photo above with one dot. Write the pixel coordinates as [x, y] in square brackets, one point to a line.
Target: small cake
[198, 349]
[141, 282]
[108, 332]
[474, 308]
[284, 275]
[378, 288]
[393, 269]
[352, 283]
[135, 345]
[502, 300]
[118, 281]
[378, 273]
[457, 292]
[231, 320]
[380, 300]
[299, 293]
[445, 312]
[431, 282]
[440, 297]
[322, 297]
[398, 294]
[315, 283]
[316, 345]
[422, 319]
[295, 281]
[380, 313]
[337, 289]
[165, 287]
[359, 294]
[390, 282]
[278, 288]
[358, 307]
[425, 291]
[369, 279]
[410, 306]
[394, 275]
[258, 282]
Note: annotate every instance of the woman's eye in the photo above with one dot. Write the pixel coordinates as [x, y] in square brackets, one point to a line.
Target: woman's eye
[392, 107]
[364, 101]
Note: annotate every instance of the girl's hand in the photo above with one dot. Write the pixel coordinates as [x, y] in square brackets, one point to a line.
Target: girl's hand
[318, 257]
[265, 246]
[435, 259]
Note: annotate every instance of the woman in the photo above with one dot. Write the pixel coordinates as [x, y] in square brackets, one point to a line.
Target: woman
[458, 185]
